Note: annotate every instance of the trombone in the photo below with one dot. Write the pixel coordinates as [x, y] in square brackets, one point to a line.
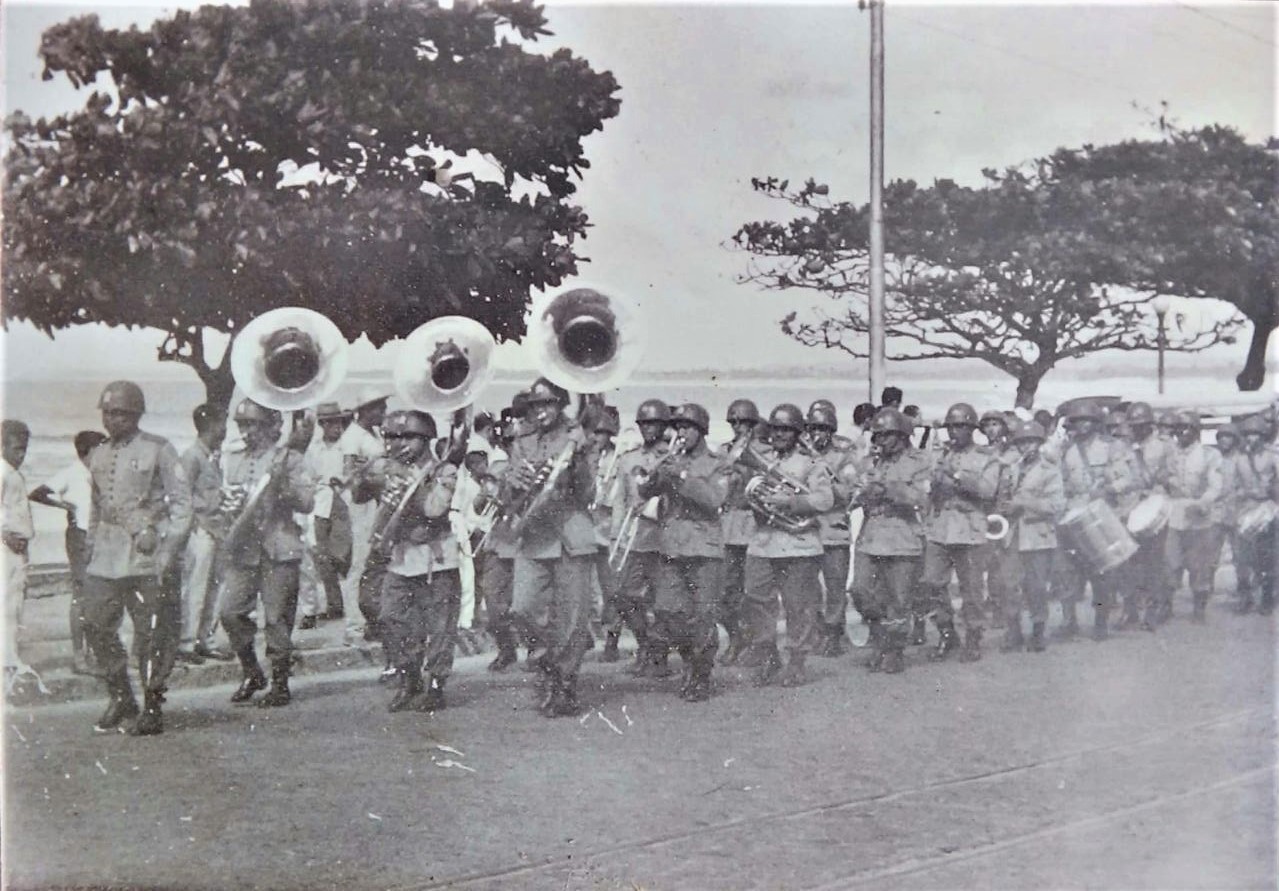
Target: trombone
[649, 508]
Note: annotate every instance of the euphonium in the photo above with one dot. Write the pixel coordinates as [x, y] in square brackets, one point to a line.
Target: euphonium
[769, 480]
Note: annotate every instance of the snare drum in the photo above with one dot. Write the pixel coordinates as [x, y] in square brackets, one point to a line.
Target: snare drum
[1096, 532]
[1150, 516]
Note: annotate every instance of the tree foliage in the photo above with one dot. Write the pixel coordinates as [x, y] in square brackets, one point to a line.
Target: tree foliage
[301, 153]
[1029, 269]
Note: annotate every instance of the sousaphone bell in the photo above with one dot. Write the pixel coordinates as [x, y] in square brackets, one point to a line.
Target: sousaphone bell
[289, 358]
[444, 364]
[586, 340]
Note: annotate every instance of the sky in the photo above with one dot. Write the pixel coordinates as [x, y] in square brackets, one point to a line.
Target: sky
[715, 94]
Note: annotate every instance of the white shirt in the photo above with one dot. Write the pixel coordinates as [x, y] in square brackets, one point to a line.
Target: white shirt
[74, 485]
[323, 460]
[17, 509]
[361, 443]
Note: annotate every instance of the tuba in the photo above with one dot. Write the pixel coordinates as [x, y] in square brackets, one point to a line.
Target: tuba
[289, 358]
[767, 479]
[444, 364]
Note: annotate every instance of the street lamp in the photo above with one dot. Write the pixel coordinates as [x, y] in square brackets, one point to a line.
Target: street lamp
[1161, 304]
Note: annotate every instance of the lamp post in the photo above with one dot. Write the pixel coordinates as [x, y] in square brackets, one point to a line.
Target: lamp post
[1161, 304]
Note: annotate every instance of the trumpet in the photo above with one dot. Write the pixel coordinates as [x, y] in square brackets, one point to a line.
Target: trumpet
[515, 516]
[394, 502]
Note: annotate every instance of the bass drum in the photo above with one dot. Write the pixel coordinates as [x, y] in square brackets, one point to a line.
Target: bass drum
[1098, 535]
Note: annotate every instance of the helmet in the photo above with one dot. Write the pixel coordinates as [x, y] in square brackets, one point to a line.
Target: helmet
[823, 415]
[787, 415]
[1187, 417]
[824, 403]
[122, 396]
[993, 415]
[409, 422]
[961, 413]
[1168, 418]
[545, 391]
[607, 421]
[1030, 430]
[1140, 413]
[890, 420]
[1231, 430]
[248, 410]
[742, 410]
[692, 413]
[653, 410]
[1255, 424]
[1081, 410]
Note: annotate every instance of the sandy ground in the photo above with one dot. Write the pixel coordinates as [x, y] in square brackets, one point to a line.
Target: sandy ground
[1144, 762]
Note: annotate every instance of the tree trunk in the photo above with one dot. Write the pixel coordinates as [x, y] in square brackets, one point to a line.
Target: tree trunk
[1027, 386]
[1254, 367]
[219, 386]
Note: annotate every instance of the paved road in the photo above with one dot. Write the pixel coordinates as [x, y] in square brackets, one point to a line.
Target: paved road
[1144, 762]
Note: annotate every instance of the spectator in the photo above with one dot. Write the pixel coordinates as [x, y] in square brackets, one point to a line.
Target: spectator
[17, 533]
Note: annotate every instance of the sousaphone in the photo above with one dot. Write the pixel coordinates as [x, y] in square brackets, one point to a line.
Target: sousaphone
[586, 340]
[289, 358]
[444, 364]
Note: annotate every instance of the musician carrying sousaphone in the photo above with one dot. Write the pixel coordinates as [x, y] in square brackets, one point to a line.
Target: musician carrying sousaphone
[1096, 473]
[264, 486]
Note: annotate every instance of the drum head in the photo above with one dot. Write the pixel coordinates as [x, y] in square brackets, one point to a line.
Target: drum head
[1151, 515]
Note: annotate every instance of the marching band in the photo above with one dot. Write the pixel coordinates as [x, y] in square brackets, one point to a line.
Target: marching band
[570, 537]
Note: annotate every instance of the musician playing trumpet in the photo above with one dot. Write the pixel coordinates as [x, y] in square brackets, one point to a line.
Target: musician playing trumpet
[1032, 498]
[421, 588]
[780, 559]
[556, 544]
[263, 548]
[892, 493]
[635, 533]
[692, 486]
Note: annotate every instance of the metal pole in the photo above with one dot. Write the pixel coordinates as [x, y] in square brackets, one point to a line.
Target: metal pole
[877, 357]
[1163, 343]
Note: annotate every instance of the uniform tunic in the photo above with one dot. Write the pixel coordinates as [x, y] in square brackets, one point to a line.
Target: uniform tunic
[737, 524]
[1194, 484]
[1035, 500]
[1253, 481]
[964, 485]
[1097, 469]
[140, 495]
[1145, 576]
[841, 463]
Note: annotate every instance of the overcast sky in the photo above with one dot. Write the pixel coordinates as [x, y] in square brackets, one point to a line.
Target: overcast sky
[715, 94]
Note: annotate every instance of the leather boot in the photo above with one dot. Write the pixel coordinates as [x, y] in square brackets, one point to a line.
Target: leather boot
[279, 694]
[1037, 638]
[1070, 623]
[754, 656]
[1013, 641]
[948, 641]
[1200, 614]
[972, 646]
[699, 687]
[793, 674]
[150, 722]
[432, 700]
[1100, 624]
[610, 653]
[894, 647]
[918, 632]
[878, 646]
[660, 666]
[769, 668]
[408, 691]
[254, 680]
[121, 706]
[565, 704]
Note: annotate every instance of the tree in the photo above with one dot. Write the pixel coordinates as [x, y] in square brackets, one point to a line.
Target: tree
[300, 153]
[1008, 273]
[1199, 210]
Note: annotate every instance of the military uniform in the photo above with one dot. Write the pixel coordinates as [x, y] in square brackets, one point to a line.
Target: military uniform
[690, 575]
[789, 562]
[1254, 481]
[263, 561]
[141, 508]
[964, 485]
[494, 579]
[422, 588]
[1194, 541]
[998, 561]
[1034, 498]
[635, 582]
[1145, 575]
[840, 465]
[886, 560]
[199, 583]
[737, 528]
[1098, 469]
[553, 561]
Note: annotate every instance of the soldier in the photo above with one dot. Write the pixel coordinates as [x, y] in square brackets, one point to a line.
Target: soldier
[1228, 444]
[635, 585]
[1254, 474]
[842, 443]
[821, 425]
[1195, 486]
[692, 486]
[999, 575]
[738, 528]
[263, 549]
[139, 523]
[1092, 468]
[893, 491]
[1146, 583]
[786, 551]
[1032, 497]
[606, 424]
[361, 443]
[421, 589]
[964, 484]
[551, 472]
[495, 569]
